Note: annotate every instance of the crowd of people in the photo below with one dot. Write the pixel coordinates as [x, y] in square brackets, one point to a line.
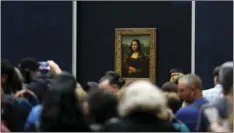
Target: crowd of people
[40, 97]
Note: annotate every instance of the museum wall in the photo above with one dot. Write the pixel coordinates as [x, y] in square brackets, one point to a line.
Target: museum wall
[42, 30]
[96, 38]
[214, 37]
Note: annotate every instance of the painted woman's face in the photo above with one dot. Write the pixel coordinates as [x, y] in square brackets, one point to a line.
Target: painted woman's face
[134, 45]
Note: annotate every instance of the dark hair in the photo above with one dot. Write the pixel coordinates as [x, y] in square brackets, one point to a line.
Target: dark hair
[13, 82]
[176, 70]
[102, 105]
[90, 86]
[26, 66]
[169, 87]
[114, 78]
[139, 49]
[39, 87]
[216, 71]
[10, 114]
[61, 109]
[226, 77]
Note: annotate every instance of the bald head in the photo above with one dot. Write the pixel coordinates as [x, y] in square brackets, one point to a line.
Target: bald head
[191, 81]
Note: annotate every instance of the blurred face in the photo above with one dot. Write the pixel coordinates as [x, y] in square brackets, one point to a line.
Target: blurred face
[85, 108]
[215, 80]
[185, 93]
[134, 46]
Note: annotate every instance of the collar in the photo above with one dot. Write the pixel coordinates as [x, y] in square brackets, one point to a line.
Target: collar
[200, 101]
[218, 86]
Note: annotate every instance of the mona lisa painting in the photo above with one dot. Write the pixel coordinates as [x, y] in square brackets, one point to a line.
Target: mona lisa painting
[135, 53]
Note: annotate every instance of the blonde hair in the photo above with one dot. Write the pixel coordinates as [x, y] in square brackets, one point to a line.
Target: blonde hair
[80, 92]
[172, 96]
[120, 93]
[165, 114]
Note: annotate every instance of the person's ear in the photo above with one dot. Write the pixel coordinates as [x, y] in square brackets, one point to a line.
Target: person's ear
[216, 79]
[194, 91]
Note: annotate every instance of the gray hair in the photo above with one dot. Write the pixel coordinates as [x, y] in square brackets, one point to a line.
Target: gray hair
[226, 76]
[191, 80]
[141, 95]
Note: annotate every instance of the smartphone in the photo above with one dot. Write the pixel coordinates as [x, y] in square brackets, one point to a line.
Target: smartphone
[44, 65]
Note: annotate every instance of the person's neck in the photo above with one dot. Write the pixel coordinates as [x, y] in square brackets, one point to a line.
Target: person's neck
[200, 96]
[217, 83]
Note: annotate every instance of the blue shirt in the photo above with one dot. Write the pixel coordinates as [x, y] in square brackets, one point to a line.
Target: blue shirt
[189, 115]
[33, 117]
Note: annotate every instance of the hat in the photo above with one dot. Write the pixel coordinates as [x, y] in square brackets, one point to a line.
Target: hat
[29, 63]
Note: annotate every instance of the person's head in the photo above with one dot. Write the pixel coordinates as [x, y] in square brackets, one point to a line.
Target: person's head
[111, 81]
[190, 87]
[102, 105]
[39, 87]
[173, 101]
[7, 70]
[29, 68]
[91, 85]
[61, 109]
[216, 75]
[10, 80]
[226, 77]
[169, 87]
[175, 74]
[141, 96]
[135, 46]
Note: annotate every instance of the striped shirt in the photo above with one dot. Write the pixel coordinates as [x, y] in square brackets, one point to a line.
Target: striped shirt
[213, 94]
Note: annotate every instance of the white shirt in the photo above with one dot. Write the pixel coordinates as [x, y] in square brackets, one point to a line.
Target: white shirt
[214, 93]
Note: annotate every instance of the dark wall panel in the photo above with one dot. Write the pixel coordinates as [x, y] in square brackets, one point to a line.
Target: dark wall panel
[97, 24]
[214, 37]
[42, 30]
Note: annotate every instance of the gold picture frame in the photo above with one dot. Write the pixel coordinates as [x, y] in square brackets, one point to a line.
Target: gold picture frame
[122, 37]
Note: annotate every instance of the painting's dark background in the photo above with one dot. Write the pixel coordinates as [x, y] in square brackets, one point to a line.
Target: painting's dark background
[214, 37]
[42, 30]
[97, 23]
